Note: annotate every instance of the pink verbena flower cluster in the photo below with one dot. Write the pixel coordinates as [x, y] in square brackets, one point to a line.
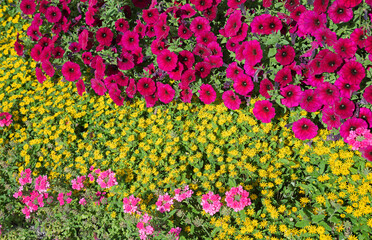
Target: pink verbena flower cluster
[237, 198]
[5, 119]
[144, 230]
[176, 232]
[64, 197]
[164, 203]
[25, 177]
[211, 203]
[130, 204]
[106, 179]
[181, 195]
[41, 184]
[360, 138]
[78, 183]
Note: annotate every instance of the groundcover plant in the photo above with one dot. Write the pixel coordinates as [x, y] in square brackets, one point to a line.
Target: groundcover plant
[200, 119]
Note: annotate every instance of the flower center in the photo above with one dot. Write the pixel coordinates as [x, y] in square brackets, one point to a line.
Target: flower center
[352, 128]
[260, 27]
[146, 85]
[168, 59]
[342, 106]
[343, 49]
[202, 69]
[71, 70]
[184, 31]
[244, 84]
[237, 197]
[317, 22]
[331, 63]
[340, 11]
[354, 72]
[199, 26]
[305, 127]
[104, 35]
[150, 14]
[309, 98]
[236, 71]
[28, 6]
[290, 93]
[272, 25]
[54, 14]
[333, 118]
[284, 54]
[329, 91]
[266, 109]
[121, 25]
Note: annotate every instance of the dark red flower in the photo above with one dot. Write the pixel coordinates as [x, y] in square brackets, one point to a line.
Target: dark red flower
[104, 36]
[264, 111]
[367, 153]
[167, 60]
[347, 87]
[328, 93]
[39, 75]
[205, 38]
[98, 86]
[141, 3]
[344, 108]
[339, 13]
[71, 71]
[131, 89]
[199, 25]
[210, 13]
[80, 87]
[258, 24]
[150, 16]
[187, 58]
[349, 3]
[291, 5]
[233, 24]
[345, 48]
[330, 118]
[295, 15]
[130, 40]
[53, 14]
[358, 36]
[203, 69]
[292, 96]
[201, 5]
[285, 55]
[284, 76]
[75, 47]
[325, 35]
[253, 52]
[87, 57]
[304, 129]
[366, 115]
[121, 25]
[331, 62]
[186, 95]
[353, 71]
[151, 100]
[352, 124]
[265, 86]
[233, 71]
[368, 94]
[165, 92]
[207, 94]
[310, 101]
[184, 32]
[235, 3]
[320, 6]
[28, 7]
[146, 86]
[272, 24]
[243, 85]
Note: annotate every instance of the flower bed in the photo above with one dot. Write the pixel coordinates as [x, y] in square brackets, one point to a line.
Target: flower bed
[84, 167]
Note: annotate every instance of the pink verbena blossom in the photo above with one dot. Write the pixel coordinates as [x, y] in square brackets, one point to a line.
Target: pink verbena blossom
[143, 230]
[164, 203]
[107, 179]
[360, 138]
[5, 119]
[77, 183]
[176, 231]
[211, 203]
[237, 198]
[25, 177]
[82, 201]
[129, 204]
[181, 195]
[41, 184]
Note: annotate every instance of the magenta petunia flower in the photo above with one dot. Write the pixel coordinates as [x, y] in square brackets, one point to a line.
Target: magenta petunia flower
[150, 16]
[205, 38]
[339, 13]
[349, 3]
[310, 21]
[199, 25]
[367, 153]
[285, 55]
[186, 95]
[130, 40]
[330, 118]
[71, 71]
[368, 94]
[53, 14]
[187, 58]
[292, 96]
[151, 100]
[104, 36]
[167, 60]
[235, 3]
[80, 87]
[258, 24]
[243, 85]
[231, 100]
[121, 25]
[125, 61]
[5, 119]
[211, 13]
[284, 76]
[272, 24]
[328, 93]
[305, 129]
[131, 89]
[320, 6]
[202, 5]
[264, 111]
[366, 115]
[39, 75]
[58, 52]
[207, 94]
[116, 95]
[98, 86]
[233, 24]
[165, 92]
[345, 48]
[184, 32]
[291, 5]
[48, 68]
[353, 71]
[233, 71]
[310, 101]
[351, 124]
[28, 7]
[146, 86]
[331, 62]
[188, 77]
[203, 69]
[358, 36]
[253, 52]
[265, 86]
[297, 12]
[344, 108]
[325, 35]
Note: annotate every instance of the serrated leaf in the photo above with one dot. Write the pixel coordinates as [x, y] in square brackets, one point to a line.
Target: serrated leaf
[302, 224]
[317, 218]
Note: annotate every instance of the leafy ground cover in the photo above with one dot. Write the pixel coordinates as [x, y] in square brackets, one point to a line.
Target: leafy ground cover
[317, 189]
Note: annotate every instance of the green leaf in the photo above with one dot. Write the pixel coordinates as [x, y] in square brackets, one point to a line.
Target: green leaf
[325, 225]
[302, 224]
[317, 218]
[272, 52]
